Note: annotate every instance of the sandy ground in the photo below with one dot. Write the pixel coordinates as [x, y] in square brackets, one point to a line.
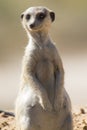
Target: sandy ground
[7, 122]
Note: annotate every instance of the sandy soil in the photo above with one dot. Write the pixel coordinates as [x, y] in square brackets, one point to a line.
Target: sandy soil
[7, 122]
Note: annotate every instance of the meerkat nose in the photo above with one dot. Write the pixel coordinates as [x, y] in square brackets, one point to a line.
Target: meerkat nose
[32, 25]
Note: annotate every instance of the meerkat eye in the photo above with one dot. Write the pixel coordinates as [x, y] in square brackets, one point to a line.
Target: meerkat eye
[27, 16]
[41, 16]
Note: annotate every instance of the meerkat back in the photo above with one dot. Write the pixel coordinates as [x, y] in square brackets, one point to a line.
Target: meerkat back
[42, 102]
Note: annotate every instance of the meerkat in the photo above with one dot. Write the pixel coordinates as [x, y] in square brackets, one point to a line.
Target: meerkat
[42, 102]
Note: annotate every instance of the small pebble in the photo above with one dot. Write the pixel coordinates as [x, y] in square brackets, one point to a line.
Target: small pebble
[82, 111]
[85, 127]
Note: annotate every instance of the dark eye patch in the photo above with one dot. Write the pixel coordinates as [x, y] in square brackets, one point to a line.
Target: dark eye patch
[28, 16]
[41, 16]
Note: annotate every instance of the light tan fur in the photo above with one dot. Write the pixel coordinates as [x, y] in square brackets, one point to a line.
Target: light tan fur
[42, 102]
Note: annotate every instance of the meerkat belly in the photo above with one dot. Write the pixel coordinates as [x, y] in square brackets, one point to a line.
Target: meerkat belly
[45, 75]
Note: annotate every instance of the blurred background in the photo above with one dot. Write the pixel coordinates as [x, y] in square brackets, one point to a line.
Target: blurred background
[69, 31]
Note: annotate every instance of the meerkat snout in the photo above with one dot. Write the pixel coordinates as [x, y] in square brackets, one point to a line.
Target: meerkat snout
[32, 25]
[37, 18]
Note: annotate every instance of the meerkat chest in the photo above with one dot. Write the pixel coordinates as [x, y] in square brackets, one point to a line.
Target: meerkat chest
[44, 70]
[42, 57]
[45, 74]
[45, 66]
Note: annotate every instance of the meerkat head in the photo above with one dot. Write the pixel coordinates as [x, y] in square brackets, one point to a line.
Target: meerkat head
[37, 19]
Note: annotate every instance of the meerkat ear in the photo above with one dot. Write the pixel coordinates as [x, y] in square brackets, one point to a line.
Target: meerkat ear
[52, 15]
[22, 15]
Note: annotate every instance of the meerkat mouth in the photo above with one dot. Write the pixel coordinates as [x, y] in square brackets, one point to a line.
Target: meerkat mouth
[35, 28]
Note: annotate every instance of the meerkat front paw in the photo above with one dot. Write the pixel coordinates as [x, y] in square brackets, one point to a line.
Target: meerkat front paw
[46, 105]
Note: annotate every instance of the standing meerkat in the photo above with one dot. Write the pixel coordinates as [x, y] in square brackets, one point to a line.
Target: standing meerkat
[42, 102]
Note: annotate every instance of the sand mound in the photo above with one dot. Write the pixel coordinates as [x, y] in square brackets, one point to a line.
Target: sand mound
[7, 122]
